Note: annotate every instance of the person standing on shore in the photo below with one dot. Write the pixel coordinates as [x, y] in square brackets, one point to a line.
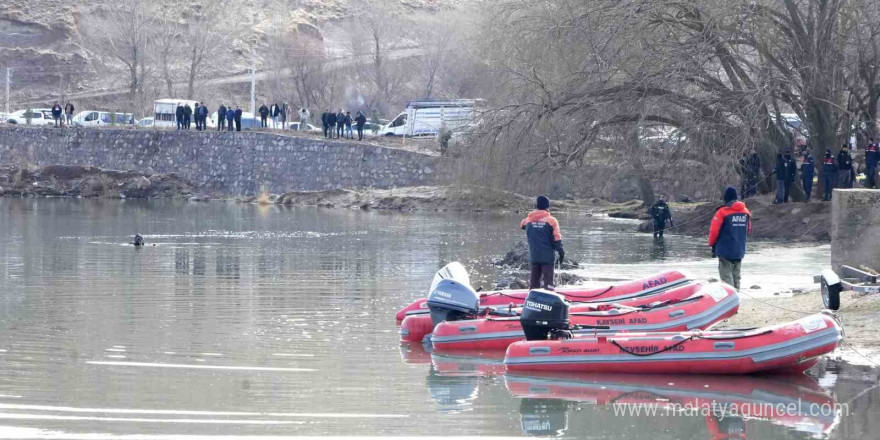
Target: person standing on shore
[872, 156]
[187, 116]
[340, 124]
[274, 111]
[325, 122]
[238, 118]
[285, 110]
[781, 174]
[829, 175]
[331, 123]
[753, 172]
[303, 118]
[264, 116]
[56, 114]
[808, 169]
[545, 240]
[361, 121]
[179, 113]
[348, 121]
[221, 117]
[68, 113]
[230, 118]
[728, 233]
[844, 168]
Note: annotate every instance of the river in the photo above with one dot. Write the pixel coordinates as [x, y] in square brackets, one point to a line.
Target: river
[243, 320]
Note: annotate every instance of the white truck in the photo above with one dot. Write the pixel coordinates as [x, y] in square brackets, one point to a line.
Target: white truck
[165, 112]
[427, 118]
[95, 118]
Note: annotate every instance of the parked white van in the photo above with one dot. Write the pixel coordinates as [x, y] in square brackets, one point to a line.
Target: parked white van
[40, 116]
[426, 118]
[165, 112]
[94, 118]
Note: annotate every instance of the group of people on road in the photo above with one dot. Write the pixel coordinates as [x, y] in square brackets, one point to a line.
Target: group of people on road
[338, 125]
[279, 115]
[63, 116]
[185, 115]
[728, 233]
[228, 118]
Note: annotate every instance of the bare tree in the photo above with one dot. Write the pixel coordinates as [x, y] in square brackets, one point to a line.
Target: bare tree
[123, 34]
[206, 35]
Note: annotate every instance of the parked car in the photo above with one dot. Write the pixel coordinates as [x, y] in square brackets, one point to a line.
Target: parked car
[145, 122]
[40, 116]
[294, 126]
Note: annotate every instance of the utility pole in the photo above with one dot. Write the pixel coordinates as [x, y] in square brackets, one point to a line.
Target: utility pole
[8, 79]
[254, 84]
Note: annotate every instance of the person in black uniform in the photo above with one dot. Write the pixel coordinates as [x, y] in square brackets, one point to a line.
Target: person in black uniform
[660, 212]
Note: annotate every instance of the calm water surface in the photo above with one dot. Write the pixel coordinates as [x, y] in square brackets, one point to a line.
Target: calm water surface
[258, 321]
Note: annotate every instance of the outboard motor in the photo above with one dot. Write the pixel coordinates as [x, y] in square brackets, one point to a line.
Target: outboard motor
[451, 300]
[544, 312]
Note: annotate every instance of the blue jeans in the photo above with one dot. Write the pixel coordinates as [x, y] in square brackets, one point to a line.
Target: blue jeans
[780, 190]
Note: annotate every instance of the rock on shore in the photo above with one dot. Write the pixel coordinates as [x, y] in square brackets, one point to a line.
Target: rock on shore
[420, 198]
[91, 182]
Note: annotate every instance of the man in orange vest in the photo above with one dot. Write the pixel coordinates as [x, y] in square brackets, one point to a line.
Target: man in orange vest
[545, 240]
[727, 236]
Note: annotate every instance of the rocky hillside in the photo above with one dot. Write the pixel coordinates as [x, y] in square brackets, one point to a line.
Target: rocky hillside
[40, 39]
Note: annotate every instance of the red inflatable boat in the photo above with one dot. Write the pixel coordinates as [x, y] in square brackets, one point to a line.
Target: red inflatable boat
[415, 327]
[694, 306]
[618, 292]
[785, 348]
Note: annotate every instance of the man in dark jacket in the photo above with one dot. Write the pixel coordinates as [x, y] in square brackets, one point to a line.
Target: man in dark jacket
[325, 122]
[660, 212]
[727, 236]
[808, 169]
[68, 113]
[57, 111]
[203, 115]
[845, 172]
[361, 121]
[187, 116]
[285, 109]
[340, 123]
[545, 239]
[230, 118]
[237, 118]
[221, 117]
[264, 115]
[791, 174]
[197, 116]
[872, 156]
[829, 175]
[331, 123]
[180, 113]
[753, 171]
[781, 172]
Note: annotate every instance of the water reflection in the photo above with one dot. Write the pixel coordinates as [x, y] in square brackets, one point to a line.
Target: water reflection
[726, 403]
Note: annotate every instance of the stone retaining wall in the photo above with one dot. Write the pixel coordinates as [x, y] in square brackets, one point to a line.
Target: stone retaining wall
[230, 163]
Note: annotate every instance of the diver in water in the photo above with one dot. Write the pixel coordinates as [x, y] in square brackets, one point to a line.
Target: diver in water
[138, 240]
[660, 212]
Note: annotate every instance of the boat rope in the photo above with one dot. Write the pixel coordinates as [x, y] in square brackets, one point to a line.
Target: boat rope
[610, 288]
